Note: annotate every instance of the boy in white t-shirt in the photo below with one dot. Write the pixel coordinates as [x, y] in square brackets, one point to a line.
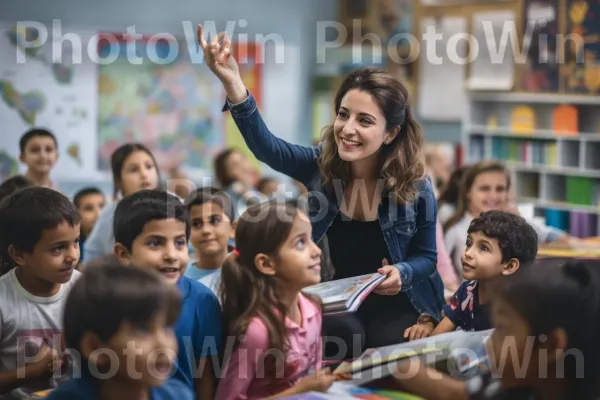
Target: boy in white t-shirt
[39, 248]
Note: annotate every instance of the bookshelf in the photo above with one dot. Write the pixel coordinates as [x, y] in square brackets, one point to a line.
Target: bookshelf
[556, 170]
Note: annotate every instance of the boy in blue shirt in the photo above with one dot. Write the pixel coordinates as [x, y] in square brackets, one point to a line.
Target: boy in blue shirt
[151, 230]
[119, 321]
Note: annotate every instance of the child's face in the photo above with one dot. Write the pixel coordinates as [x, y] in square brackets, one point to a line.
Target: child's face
[211, 230]
[138, 173]
[54, 256]
[488, 192]
[481, 258]
[298, 263]
[40, 154]
[239, 168]
[270, 188]
[90, 207]
[146, 353]
[162, 246]
[511, 348]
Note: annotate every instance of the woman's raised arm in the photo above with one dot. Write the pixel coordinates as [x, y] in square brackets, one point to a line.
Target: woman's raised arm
[298, 162]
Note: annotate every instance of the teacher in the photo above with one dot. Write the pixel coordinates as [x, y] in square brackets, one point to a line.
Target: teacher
[367, 191]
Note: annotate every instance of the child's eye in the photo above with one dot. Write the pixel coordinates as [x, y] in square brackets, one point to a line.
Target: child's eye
[196, 224]
[484, 247]
[300, 244]
[153, 243]
[181, 243]
[468, 244]
[365, 121]
[214, 220]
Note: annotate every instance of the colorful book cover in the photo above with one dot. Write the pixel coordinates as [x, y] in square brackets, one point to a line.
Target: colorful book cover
[565, 120]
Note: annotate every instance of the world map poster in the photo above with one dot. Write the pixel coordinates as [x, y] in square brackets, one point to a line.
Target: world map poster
[48, 84]
[165, 97]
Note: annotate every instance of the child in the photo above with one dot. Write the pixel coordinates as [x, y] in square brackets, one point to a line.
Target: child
[151, 230]
[133, 168]
[212, 227]
[13, 184]
[268, 186]
[498, 244]
[544, 345]
[39, 151]
[261, 285]
[39, 231]
[484, 187]
[121, 320]
[89, 201]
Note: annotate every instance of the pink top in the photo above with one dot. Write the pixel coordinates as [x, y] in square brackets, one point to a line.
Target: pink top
[244, 374]
[444, 262]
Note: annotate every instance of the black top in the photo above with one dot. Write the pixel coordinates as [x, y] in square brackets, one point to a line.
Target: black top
[358, 248]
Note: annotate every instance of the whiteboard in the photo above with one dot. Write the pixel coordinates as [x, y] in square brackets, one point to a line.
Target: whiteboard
[442, 69]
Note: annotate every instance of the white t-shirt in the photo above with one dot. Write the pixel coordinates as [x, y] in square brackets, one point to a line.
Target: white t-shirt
[212, 281]
[25, 321]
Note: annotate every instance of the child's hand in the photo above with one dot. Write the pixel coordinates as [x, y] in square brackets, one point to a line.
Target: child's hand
[320, 381]
[418, 331]
[46, 364]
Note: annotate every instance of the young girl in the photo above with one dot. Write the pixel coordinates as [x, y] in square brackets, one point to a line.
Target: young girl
[367, 192]
[544, 345]
[237, 178]
[277, 329]
[133, 168]
[485, 186]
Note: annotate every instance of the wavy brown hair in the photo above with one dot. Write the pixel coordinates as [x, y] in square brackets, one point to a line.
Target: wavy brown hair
[245, 292]
[466, 184]
[401, 162]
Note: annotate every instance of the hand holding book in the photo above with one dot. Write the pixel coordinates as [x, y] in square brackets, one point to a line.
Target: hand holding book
[392, 284]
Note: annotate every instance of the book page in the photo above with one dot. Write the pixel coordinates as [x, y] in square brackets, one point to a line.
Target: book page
[341, 289]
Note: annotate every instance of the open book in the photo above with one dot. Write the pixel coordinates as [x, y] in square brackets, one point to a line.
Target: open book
[345, 295]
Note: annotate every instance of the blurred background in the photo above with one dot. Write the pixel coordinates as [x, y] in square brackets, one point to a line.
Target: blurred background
[512, 80]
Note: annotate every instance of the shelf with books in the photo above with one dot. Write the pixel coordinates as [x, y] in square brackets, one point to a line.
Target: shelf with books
[552, 144]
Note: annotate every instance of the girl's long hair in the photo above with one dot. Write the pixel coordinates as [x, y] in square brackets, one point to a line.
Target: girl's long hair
[245, 292]
[451, 190]
[402, 162]
[466, 184]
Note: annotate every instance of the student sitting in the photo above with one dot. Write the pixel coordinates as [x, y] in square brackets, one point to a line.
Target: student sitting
[39, 151]
[89, 201]
[39, 233]
[498, 244]
[212, 227]
[544, 344]
[151, 229]
[261, 285]
[128, 313]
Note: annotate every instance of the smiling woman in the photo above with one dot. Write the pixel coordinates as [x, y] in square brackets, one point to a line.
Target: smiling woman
[367, 191]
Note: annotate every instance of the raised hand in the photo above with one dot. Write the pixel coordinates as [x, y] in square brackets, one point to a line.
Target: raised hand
[218, 58]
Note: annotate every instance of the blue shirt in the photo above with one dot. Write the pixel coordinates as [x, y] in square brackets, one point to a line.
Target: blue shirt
[196, 273]
[465, 311]
[409, 229]
[198, 329]
[86, 388]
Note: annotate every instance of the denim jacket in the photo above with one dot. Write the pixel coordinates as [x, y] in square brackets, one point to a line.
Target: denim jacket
[409, 229]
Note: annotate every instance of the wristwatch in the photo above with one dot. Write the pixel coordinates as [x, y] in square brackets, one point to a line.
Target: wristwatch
[425, 319]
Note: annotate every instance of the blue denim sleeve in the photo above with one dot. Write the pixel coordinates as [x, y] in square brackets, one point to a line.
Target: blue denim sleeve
[422, 251]
[295, 161]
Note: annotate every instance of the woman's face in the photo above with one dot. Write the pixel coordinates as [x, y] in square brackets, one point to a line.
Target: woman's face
[239, 169]
[488, 192]
[360, 127]
[138, 173]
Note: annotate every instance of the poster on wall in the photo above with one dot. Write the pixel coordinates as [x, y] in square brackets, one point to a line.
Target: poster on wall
[540, 72]
[581, 74]
[166, 99]
[250, 58]
[44, 87]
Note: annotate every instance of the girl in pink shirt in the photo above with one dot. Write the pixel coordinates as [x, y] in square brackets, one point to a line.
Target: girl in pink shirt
[275, 329]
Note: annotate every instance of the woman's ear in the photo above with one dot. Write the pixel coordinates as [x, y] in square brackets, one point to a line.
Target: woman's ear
[511, 267]
[391, 135]
[264, 264]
